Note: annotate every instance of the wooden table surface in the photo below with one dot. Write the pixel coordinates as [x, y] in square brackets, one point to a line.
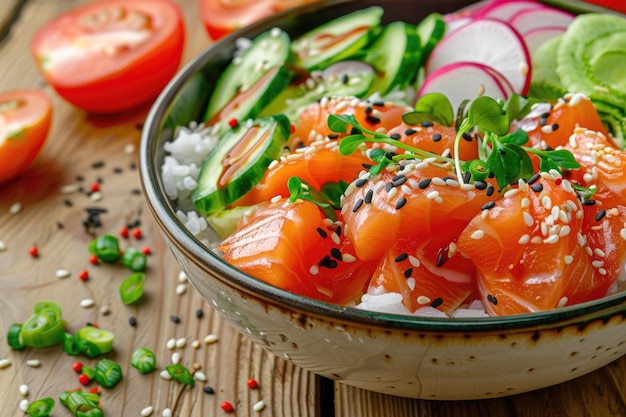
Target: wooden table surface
[37, 210]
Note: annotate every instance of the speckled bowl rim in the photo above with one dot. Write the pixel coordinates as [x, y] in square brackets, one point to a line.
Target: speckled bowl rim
[173, 228]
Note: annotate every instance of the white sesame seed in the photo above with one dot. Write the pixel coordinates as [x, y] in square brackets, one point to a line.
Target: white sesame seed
[546, 201]
[599, 252]
[568, 259]
[438, 181]
[528, 219]
[597, 264]
[525, 203]
[565, 230]
[199, 376]
[348, 258]
[536, 239]
[587, 177]
[582, 240]
[167, 412]
[181, 342]
[15, 208]
[96, 196]
[335, 238]
[165, 375]
[314, 270]
[195, 344]
[87, 303]
[33, 363]
[147, 411]
[511, 192]
[175, 358]
[3, 246]
[24, 405]
[478, 234]
[576, 99]
[259, 405]
[563, 301]
[414, 261]
[210, 339]
[551, 239]
[182, 277]
[63, 273]
[422, 299]
[181, 289]
[432, 195]
[171, 344]
[602, 271]
[129, 148]
[410, 283]
[622, 233]
[24, 390]
[392, 193]
[524, 239]
[5, 363]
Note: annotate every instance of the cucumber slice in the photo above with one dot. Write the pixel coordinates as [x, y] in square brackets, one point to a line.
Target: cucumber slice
[252, 80]
[395, 54]
[345, 78]
[224, 222]
[430, 30]
[545, 82]
[338, 39]
[239, 161]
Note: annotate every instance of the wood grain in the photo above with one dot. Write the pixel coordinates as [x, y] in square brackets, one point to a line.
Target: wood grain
[83, 149]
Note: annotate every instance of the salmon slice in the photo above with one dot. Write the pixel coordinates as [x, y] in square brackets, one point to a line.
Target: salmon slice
[435, 138]
[316, 164]
[527, 248]
[312, 123]
[553, 127]
[603, 166]
[413, 201]
[294, 247]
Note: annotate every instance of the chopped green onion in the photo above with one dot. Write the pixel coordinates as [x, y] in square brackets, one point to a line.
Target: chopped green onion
[108, 373]
[93, 341]
[88, 371]
[47, 305]
[70, 344]
[44, 329]
[134, 259]
[144, 360]
[40, 408]
[106, 248]
[80, 404]
[180, 373]
[14, 336]
[131, 289]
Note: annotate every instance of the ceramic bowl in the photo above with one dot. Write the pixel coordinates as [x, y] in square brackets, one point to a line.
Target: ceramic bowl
[426, 358]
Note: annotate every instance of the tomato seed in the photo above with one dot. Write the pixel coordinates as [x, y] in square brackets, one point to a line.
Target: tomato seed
[34, 252]
[252, 383]
[226, 406]
[83, 275]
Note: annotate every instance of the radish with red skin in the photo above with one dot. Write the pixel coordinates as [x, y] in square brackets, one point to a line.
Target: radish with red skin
[537, 37]
[526, 20]
[465, 80]
[505, 9]
[487, 41]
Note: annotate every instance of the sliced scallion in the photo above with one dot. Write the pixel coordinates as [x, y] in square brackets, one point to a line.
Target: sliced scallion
[108, 373]
[14, 336]
[40, 408]
[131, 289]
[144, 360]
[180, 373]
[93, 341]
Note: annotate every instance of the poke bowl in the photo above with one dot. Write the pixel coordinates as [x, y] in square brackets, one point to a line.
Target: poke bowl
[473, 355]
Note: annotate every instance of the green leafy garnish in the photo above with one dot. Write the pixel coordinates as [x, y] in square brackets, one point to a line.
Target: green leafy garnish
[432, 107]
[299, 190]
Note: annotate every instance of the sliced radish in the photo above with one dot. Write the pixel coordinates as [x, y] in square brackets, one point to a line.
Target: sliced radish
[527, 20]
[466, 80]
[453, 23]
[537, 37]
[505, 9]
[490, 42]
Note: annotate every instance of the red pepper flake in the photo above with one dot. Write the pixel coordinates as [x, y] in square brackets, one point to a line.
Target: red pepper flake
[83, 379]
[95, 390]
[558, 180]
[34, 252]
[77, 367]
[137, 233]
[146, 250]
[292, 129]
[233, 123]
[252, 383]
[228, 407]
[83, 275]
[95, 187]
[124, 231]
[93, 259]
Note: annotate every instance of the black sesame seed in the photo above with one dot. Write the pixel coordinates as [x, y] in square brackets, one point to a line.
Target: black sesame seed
[367, 166]
[97, 164]
[355, 131]
[60, 225]
[132, 165]
[345, 78]
[378, 104]
[398, 180]
[322, 232]
[324, 260]
[543, 121]
[132, 321]
[400, 203]
[208, 389]
[357, 205]
[199, 313]
[545, 115]
[533, 179]
[427, 123]
[480, 185]
[336, 253]
[436, 302]
[117, 170]
[396, 136]
[489, 205]
[490, 191]
[424, 183]
[589, 202]
[436, 137]
[368, 196]
[175, 319]
[373, 120]
[360, 182]
[492, 299]
[68, 203]
[467, 176]
[369, 110]
[80, 178]
[135, 191]
[537, 187]
[467, 136]
[555, 126]
[332, 136]
[410, 132]
[401, 257]
[388, 186]
[442, 256]
[600, 215]
[408, 273]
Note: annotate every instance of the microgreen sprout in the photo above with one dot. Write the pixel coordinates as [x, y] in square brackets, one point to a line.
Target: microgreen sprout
[326, 200]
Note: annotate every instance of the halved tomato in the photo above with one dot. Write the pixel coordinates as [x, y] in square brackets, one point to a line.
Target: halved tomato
[109, 56]
[25, 119]
[222, 17]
